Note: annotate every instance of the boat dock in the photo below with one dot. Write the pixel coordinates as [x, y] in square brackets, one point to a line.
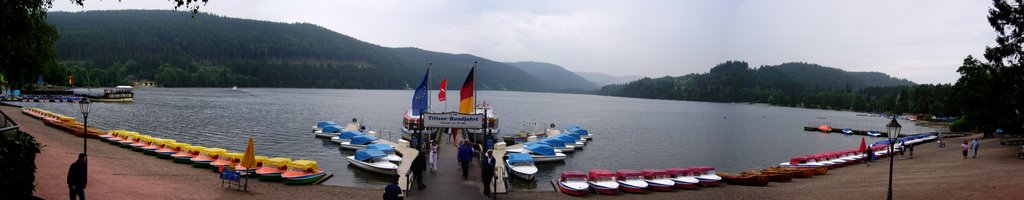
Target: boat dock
[408, 155]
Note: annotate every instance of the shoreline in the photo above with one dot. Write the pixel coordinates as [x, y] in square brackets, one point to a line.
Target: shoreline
[117, 173]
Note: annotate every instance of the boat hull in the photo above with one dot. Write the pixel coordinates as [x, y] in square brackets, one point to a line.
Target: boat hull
[271, 177]
[541, 158]
[303, 180]
[604, 190]
[348, 146]
[565, 188]
[632, 188]
[369, 167]
[324, 135]
[182, 159]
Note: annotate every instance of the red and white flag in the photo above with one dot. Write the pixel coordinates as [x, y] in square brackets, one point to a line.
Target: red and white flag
[443, 95]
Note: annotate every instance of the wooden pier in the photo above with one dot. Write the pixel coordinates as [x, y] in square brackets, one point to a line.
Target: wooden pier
[408, 155]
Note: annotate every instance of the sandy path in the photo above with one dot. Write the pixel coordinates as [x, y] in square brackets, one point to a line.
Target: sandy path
[118, 173]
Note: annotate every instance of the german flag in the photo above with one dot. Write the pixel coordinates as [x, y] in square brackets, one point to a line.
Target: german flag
[466, 99]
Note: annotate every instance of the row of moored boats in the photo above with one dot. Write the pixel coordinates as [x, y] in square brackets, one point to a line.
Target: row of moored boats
[603, 181]
[521, 161]
[268, 169]
[370, 153]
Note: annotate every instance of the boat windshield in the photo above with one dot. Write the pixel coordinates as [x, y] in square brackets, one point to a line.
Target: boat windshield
[224, 158]
[660, 177]
[522, 164]
[575, 179]
[634, 178]
[603, 179]
[268, 165]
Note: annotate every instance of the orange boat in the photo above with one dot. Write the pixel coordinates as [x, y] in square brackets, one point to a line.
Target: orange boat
[170, 148]
[748, 180]
[776, 176]
[186, 153]
[798, 172]
[272, 168]
[226, 160]
[206, 156]
[259, 163]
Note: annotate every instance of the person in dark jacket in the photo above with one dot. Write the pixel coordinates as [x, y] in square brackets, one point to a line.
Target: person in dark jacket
[487, 172]
[77, 178]
[418, 165]
[869, 155]
[392, 191]
[465, 156]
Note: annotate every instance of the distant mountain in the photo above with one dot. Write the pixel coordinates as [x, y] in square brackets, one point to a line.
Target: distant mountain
[177, 50]
[602, 79]
[554, 77]
[791, 84]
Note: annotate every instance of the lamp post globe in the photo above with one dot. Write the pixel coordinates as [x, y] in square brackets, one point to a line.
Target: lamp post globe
[894, 133]
[84, 107]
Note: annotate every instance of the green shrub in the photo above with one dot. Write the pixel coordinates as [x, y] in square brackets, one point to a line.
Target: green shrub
[17, 165]
[961, 125]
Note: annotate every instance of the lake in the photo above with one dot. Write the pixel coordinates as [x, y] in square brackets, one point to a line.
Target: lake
[628, 132]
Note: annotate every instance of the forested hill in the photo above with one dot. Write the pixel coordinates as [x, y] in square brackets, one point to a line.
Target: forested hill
[109, 47]
[555, 77]
[789, 84]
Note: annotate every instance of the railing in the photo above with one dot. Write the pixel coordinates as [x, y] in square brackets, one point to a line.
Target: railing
[8, 124]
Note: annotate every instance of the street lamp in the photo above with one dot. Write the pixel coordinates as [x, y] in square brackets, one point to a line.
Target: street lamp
[894, 133]
[84, 106]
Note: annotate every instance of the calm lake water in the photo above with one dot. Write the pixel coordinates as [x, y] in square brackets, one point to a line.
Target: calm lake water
[628, 133]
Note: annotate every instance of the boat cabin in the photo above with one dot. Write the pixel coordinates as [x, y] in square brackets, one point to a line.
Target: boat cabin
[303, 166]
[680, 172]
[598, 175]
[573, 176]
[628, 174]
[655, 174]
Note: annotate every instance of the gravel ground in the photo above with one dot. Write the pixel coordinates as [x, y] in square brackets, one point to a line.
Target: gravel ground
[935, 173]
[118, 173]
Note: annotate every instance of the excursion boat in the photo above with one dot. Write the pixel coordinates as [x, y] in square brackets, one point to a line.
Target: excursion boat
[259, 163]
[272, 168]
[544, 153]
[573, 183]
[658, 180]
[186, 153]
[631, 181]
[492, 118]
[603, 181]
[346, 136]
[169, 148]
[576, 129]
[302, 172]
[358, 142]
[521, 165]
[320, 125]
[748, 180]
[706, 175]
[121, 93]
[373, 160]
[411, 122]
[683, 178]
[206, 156]
[226, 160]
[387, 149]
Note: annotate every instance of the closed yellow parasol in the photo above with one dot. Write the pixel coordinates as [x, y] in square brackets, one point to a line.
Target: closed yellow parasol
[249, 158]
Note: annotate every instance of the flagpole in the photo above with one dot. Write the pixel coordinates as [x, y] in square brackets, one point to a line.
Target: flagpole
[428, 87]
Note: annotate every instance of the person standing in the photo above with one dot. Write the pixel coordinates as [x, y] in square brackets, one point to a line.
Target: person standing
[487, 172]
[964, 147]
[392, 191]
[869, 157]
[910, 150]
[418, 165]
[974, 148]
[78, 177]
[901, 150]
[433, 156]
[465, 156]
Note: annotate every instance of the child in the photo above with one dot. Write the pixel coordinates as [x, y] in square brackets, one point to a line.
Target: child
[964, 147]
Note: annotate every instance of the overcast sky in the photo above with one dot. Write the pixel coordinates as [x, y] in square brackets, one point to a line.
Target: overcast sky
[923, 41]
